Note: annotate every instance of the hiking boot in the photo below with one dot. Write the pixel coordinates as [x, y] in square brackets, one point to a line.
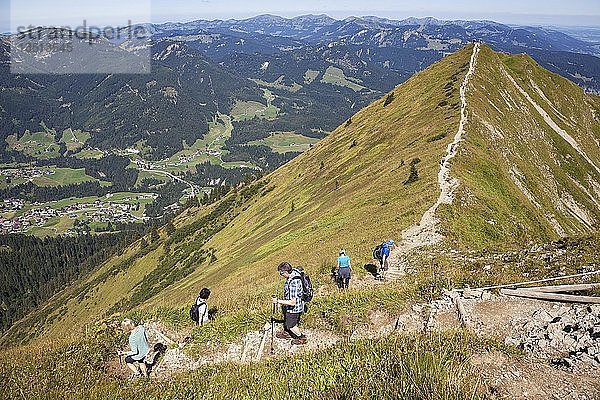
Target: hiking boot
[282, 335]
[300, 340]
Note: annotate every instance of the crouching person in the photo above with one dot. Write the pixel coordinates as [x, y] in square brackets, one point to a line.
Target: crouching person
[139, 347]
[202, 307]
[293, 304]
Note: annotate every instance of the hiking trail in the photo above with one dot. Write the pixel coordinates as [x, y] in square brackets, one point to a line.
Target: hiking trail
[426, 233]
[519, 322]
[254, 347]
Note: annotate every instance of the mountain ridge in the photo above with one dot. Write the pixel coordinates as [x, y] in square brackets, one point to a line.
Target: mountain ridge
[388, 42]
[255, 228]
[545, 183]
[300, 26]
[426, 232]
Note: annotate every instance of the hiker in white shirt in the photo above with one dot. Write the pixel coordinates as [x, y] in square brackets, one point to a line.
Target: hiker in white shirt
[202, 306]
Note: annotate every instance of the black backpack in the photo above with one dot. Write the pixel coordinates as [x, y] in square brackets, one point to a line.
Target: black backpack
[194, 315]
[307, 287]
[378, 252]
[194, 311]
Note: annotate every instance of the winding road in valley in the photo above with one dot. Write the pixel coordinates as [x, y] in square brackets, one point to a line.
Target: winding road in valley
[170, 175]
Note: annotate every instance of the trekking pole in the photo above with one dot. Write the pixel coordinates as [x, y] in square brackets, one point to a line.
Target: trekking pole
[120, 361]
[273, 324]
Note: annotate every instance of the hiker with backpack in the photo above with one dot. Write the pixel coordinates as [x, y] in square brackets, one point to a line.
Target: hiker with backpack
[139, 348]
[296, 292]
[382, 254]
[199, 311]
[343, 270]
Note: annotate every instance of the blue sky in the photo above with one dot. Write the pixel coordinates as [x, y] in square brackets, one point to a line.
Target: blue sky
[117, 13]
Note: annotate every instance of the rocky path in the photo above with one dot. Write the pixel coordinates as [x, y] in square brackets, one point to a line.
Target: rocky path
[426, 232]
[254, 347]
[561, 343]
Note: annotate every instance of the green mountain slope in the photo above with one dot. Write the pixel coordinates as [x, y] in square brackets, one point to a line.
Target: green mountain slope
[529, 164]
[370, 180]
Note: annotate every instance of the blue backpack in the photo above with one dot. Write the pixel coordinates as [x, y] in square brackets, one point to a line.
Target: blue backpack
[378, 251]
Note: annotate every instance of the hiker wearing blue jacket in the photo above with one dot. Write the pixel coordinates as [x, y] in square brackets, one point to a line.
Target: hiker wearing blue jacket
[138, 343]
[385, 255]
[343, 270]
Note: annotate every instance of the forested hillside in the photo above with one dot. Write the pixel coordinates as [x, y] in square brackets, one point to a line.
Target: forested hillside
[34, 269]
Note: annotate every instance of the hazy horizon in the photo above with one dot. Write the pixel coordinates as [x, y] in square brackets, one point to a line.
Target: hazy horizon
[240, 18]
[117, 13]
[249, 16]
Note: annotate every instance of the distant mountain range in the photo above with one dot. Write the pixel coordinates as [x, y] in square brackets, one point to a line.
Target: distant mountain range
[321, 70]
[392, 44]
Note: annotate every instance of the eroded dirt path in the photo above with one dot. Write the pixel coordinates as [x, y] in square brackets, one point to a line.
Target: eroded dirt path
[426, 232]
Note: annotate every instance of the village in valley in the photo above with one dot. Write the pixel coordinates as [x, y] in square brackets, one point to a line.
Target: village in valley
[27, 174]
[68, 216]
[77, 215]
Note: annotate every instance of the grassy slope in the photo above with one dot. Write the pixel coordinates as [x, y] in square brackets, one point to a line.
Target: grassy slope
[40, 145]
[61, 177]
[369, 204]
[490, 209]
[283, 142]
[432, 367]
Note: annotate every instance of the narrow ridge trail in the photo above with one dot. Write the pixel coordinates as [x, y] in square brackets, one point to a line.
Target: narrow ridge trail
[426, 233]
